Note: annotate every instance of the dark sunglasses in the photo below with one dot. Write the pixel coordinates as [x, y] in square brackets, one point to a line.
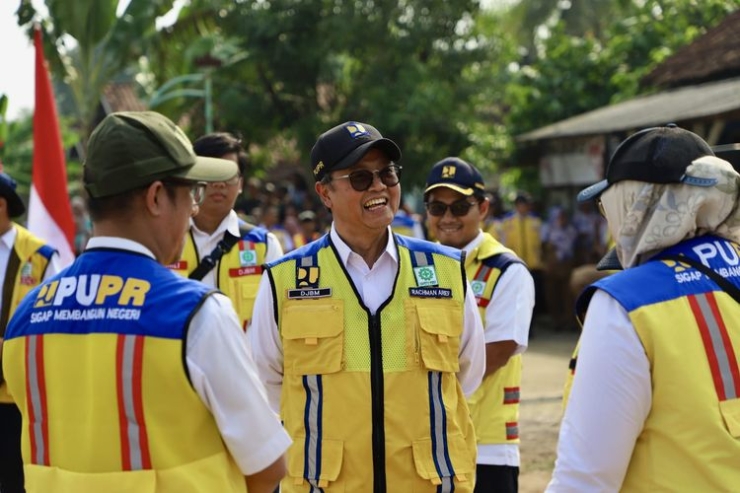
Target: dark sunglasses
[458, 209]
[362, 179]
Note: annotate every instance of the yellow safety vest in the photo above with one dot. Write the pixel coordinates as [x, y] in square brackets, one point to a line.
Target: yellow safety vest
[372, 400]
[690, 330]
[522, 235]
[494, 407]
[34, 256]
[107, 404]
[238, 272]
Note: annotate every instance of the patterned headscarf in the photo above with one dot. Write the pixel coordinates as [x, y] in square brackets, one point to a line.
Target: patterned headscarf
[645, 218]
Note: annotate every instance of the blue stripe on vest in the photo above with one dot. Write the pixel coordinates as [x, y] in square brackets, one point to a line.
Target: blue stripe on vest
[501, 261]
[255, 234]
[309, 250]
[103, 292]
[46, 251]
[312, 422]
[656, 281]
[418, 245]
[438, 425]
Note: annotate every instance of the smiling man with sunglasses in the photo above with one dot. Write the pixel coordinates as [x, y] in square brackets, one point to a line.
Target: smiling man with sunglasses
[457, 204]
[369, 341]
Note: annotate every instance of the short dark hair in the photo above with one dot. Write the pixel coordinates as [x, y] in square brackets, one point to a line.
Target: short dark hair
[218, 144]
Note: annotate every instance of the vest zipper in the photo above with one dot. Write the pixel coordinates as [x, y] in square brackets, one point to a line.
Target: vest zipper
[377, 393]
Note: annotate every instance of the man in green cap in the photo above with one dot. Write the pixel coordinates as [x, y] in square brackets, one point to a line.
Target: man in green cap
[111, 362]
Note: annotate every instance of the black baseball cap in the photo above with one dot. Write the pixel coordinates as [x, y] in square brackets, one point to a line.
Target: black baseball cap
[653, 155]
[8, 191]
[456, 174]
[345, 144]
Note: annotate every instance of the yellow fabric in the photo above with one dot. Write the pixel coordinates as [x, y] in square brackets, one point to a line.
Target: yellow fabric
[186, 450]
[331, 337]
[26, 245]
[522, 235]
[690, 439]
[487, 407]
[241, 289]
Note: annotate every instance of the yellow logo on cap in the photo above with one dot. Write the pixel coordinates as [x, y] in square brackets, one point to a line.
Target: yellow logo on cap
[357, 130]
[318, 168]
[448, 171]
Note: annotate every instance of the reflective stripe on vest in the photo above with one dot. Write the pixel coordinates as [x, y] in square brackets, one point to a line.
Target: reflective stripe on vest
[134, 442]
[717, 344]
[511, 395]
[313, 415]
[512, 430]
[36, 396]
[484, 272]
[438, 421]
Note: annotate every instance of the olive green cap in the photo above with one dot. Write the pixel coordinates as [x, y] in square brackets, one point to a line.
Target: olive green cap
[131, 149]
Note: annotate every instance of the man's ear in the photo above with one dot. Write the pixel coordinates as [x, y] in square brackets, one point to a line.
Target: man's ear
[153, 198]
[484, 206]
[322, 190]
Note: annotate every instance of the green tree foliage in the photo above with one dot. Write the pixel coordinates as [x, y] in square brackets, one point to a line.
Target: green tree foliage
[575, 74]
[306, 65]
[87, 45]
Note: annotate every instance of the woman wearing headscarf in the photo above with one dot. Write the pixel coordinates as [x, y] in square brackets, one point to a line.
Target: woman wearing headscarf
[654, 404]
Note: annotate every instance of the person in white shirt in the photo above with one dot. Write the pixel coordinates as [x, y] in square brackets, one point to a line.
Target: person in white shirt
[457, 204]
[654, 399]
[25, 262]
[140, 380]
[221, 249]
[368, 341]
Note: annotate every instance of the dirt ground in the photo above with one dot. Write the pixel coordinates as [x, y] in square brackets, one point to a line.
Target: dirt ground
[545, 365]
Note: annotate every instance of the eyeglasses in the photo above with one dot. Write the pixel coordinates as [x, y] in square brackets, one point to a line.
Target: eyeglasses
[197, 188]
[198, 192]
[234, 180]
[362, 179]
[458, 209]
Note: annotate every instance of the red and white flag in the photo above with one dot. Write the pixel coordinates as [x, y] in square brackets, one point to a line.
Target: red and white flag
[49, 210]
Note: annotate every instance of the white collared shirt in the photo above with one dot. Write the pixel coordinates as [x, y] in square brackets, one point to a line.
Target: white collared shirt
[374, 285]
[224, 376]
[205, 243]
[508, 318]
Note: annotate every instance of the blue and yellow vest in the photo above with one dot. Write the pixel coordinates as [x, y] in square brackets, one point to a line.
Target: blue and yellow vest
[494, 407]
[33, 257]
[690, 330]
[95, 362]
[372, 402]
[238, 272]
[522, 235]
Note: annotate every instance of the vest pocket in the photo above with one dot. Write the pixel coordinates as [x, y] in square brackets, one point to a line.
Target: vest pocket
[440, 324]
[245, 292]
[730, 410]
[313, 336]
[306, 467]
[452, 465]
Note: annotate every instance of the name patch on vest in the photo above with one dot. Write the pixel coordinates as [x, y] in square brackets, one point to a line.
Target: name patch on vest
[430, 292]
[245, 271]
[179, 265]
[306, 294]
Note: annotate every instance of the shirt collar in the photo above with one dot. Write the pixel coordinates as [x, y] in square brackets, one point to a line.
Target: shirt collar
[118, 244]
[474, 243]
[230, 223]
[8, 238]
[344, 250]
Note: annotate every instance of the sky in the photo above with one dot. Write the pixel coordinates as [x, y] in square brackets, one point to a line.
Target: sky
[17, 58]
